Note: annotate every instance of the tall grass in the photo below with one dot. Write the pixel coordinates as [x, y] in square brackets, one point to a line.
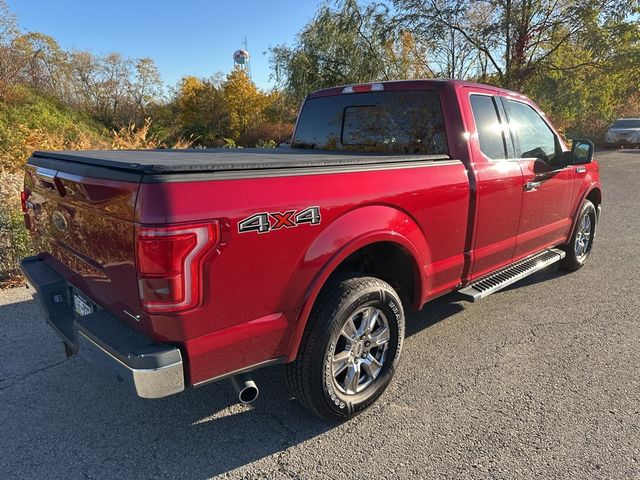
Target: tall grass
[14, 240]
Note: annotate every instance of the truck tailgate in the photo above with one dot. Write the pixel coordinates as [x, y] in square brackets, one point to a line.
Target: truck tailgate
[83, 227]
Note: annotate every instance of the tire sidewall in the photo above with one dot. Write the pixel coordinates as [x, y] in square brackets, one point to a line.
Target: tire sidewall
[571, 261]
[389, 303]
[589, 208]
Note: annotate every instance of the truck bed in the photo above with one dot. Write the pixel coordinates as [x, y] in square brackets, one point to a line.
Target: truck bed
[165, 162]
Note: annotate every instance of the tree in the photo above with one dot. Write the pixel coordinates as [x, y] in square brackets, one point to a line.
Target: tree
[516, 39]
[449, 54]
[350, 44]
[146, 88]
[41, 62]
[229, 110]
[8, 24]
[8, 32]
[117, 90]
[245, 104]
[200, 111]
[592, 79]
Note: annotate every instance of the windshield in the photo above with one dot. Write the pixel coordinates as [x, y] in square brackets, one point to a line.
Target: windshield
[628, 123]
[407, 122]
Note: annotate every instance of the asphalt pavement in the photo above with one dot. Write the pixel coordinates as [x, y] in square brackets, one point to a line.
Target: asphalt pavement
[541, 380]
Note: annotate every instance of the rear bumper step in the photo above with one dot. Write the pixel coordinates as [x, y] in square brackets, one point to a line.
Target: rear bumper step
[152, 370]
[511, 274]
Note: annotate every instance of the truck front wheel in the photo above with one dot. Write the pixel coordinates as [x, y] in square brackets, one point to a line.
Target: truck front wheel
[579, 246]
[350, 348]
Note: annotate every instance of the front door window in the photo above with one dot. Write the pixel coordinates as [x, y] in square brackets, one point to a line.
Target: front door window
[535, 137]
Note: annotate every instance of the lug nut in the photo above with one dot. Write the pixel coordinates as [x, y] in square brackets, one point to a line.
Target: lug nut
[366, 344]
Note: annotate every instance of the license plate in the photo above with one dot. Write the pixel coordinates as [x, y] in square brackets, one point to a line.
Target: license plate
[81, 306]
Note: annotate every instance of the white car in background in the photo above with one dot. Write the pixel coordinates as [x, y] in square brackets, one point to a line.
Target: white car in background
[625, 132]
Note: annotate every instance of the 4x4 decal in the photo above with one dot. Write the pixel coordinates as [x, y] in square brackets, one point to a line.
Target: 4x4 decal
[266, 222]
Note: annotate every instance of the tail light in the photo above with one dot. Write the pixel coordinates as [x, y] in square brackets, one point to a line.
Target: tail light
[25, 209]
[169, 264]
[23, 201]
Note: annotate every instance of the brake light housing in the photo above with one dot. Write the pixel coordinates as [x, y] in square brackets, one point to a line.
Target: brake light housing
[23, 201]
[169, 263]
[364, 87]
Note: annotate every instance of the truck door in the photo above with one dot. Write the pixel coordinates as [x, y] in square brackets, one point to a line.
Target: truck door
[499, 184]
[545, 219]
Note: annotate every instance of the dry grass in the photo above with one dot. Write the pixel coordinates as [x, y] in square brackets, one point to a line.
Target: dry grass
[14, 240]
[136, 138]
[16, 153]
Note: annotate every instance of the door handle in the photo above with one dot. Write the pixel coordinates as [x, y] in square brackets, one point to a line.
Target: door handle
[532, 186]
[581, 169]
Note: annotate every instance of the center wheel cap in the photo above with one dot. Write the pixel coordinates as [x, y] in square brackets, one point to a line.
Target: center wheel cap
[358, 349]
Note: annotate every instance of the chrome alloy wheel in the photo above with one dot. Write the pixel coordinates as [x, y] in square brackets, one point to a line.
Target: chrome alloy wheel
[360, 350]
[583, 237]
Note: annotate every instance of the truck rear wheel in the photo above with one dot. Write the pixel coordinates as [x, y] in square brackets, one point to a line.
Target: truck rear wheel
[579, 246]
[350, 349]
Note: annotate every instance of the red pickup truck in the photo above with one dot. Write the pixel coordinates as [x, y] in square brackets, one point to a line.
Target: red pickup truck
[174, 268]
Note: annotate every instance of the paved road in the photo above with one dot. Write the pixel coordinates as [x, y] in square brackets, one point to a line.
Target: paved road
[538, 381]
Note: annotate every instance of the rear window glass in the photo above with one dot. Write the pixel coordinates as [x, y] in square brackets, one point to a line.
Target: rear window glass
[490, 132]
[627, 123]
[395, 122]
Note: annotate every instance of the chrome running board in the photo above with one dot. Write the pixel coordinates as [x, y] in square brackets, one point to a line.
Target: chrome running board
[511, 274]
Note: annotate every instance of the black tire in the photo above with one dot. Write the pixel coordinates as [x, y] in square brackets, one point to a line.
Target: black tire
[577, 256]
[311, 376]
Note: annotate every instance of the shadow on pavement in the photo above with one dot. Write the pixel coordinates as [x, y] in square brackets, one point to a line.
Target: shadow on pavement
[63, 419]
[433, 312]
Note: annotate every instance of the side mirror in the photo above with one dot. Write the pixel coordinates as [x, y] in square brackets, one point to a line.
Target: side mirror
[581, 152]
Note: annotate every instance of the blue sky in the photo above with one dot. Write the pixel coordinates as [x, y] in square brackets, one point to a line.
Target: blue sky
[188, 37]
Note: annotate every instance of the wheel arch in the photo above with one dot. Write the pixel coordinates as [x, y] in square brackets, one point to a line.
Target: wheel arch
[594, 195]
[360, 233]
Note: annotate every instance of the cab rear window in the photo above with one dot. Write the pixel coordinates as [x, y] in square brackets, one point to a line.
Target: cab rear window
[408, 122]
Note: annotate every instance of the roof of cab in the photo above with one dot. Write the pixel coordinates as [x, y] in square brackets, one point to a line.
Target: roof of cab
[420, 84]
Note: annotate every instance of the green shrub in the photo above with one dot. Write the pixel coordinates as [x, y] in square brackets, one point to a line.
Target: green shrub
[15, 242]
[267, 144]
[31, 121]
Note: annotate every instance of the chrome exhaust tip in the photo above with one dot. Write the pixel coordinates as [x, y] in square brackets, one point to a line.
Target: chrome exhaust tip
[245, 387]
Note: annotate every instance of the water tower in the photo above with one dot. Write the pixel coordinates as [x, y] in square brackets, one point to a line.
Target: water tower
[241, 59]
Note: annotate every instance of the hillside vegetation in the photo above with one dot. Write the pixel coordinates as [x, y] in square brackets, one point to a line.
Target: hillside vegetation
[30, 120]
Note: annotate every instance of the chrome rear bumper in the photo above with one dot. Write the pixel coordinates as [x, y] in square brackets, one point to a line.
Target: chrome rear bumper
[150, 369]
[145, 382]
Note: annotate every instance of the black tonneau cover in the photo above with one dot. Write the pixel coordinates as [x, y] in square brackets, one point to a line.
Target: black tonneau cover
[155, 162]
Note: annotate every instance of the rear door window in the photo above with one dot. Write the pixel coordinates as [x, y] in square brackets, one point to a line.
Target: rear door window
[406, 122]
[488, 126]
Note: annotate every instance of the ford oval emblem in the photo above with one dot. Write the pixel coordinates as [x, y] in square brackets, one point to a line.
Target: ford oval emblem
[59, 221]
